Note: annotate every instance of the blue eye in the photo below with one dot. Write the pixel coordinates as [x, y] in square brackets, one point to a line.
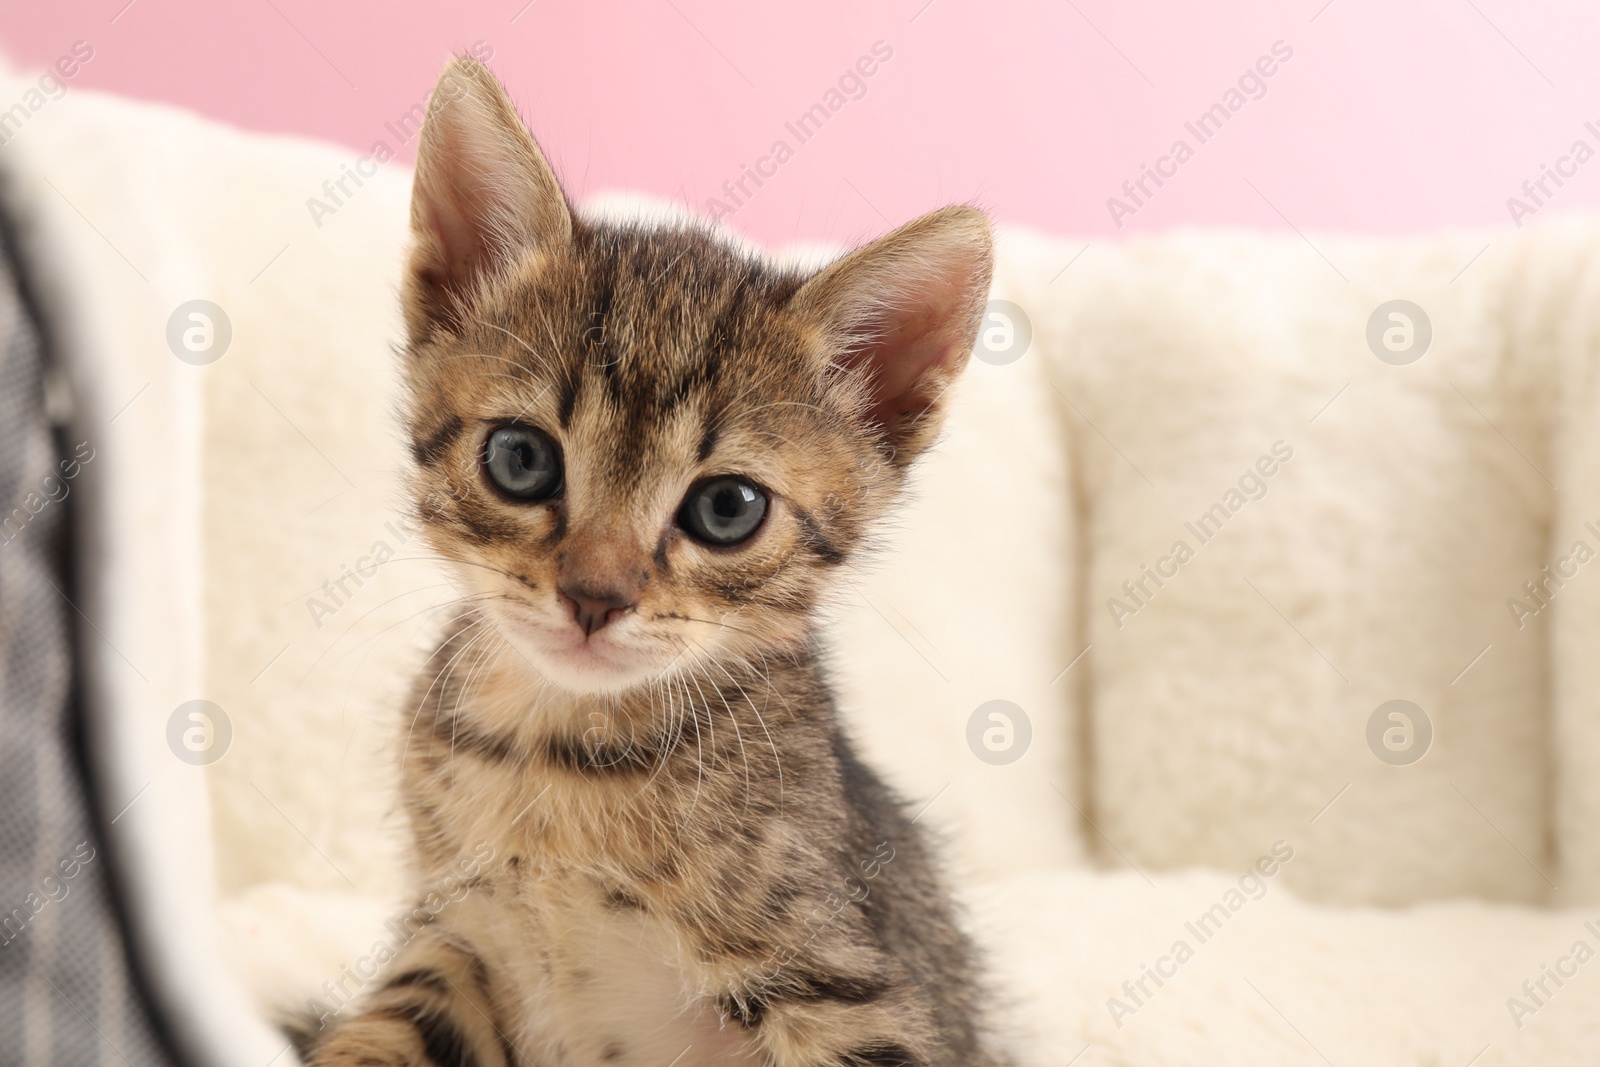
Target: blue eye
[723, 511]
[523, 462]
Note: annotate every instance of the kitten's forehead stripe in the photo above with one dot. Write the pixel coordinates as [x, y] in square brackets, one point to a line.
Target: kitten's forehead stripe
[558, 530]
[708, 439]
[570, 384]
[598, 333]
[816, 540]
[432, 446]
[662, 311]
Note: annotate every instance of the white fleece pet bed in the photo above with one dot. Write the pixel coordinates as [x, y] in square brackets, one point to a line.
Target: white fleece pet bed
[1198, 772]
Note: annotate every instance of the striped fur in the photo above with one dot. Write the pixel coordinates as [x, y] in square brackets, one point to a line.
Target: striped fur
[691, 865]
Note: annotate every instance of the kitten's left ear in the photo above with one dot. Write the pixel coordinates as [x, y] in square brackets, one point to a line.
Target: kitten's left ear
[483, 194]
[905, 311]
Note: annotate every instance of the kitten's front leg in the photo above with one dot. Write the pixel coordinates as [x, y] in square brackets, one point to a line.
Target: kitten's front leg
[815, 1015]
[433, 1010]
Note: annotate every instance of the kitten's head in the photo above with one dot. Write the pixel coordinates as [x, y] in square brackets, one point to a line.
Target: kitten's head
[640, 446]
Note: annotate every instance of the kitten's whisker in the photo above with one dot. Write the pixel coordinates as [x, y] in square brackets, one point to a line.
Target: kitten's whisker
[379, 635]
[545, 360]
[711, 722]
[555, 345]
[673, 731]
[382, 604]
[767, 683]
[405, 751]
[359, 619]
[776, 758]
[522, 380]
[354, 671]
[454, 559]
[744, 755]
[734, 719]
[475, 624]
[473, 599]
[777, 437]
[723, 624]
[488, 355]
[536, 398]
[694, 718]
[490, 647]
[783, 404]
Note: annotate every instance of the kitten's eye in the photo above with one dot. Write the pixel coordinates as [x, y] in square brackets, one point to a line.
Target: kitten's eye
[723, 511]
[522, 462]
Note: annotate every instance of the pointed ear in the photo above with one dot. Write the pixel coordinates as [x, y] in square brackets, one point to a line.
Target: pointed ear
[903, 312]
[483, 194]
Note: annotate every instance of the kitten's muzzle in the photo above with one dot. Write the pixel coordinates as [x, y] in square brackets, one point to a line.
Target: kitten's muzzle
[592, 609]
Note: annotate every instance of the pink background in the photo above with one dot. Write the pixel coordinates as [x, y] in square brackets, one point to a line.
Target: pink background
[1388, 118]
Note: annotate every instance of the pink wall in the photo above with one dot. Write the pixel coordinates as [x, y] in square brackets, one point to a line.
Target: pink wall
[1386, 118]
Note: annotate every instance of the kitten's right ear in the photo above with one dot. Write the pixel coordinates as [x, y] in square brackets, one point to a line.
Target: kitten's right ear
[902, 314]
[482, 195]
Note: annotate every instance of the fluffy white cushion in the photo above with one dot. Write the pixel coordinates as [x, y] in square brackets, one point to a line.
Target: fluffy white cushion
[1406, 505]
[1280, 982]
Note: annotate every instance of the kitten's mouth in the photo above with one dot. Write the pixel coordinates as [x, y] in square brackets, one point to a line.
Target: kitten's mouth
[602, 661]
[592, 651]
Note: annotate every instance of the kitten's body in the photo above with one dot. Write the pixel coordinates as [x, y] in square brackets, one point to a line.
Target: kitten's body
[653, 893]
[690, 866]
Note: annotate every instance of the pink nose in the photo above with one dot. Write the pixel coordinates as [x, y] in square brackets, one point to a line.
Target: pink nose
[592, 610]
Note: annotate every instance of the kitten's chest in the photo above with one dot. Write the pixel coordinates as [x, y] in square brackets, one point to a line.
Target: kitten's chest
[585, 980]
[583, 973]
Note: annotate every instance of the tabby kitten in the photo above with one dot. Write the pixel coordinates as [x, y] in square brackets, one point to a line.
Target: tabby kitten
[647, 455]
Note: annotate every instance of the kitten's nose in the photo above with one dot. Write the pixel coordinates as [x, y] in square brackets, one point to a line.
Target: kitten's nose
[592, 609]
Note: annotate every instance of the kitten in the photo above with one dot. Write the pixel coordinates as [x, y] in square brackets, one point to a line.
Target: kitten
[647, 456]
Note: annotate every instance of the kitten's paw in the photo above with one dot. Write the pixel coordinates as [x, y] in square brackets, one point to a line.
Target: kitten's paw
[373, 1041]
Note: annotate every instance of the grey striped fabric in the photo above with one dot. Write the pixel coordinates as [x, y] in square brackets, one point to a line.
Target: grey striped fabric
[66, 996]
